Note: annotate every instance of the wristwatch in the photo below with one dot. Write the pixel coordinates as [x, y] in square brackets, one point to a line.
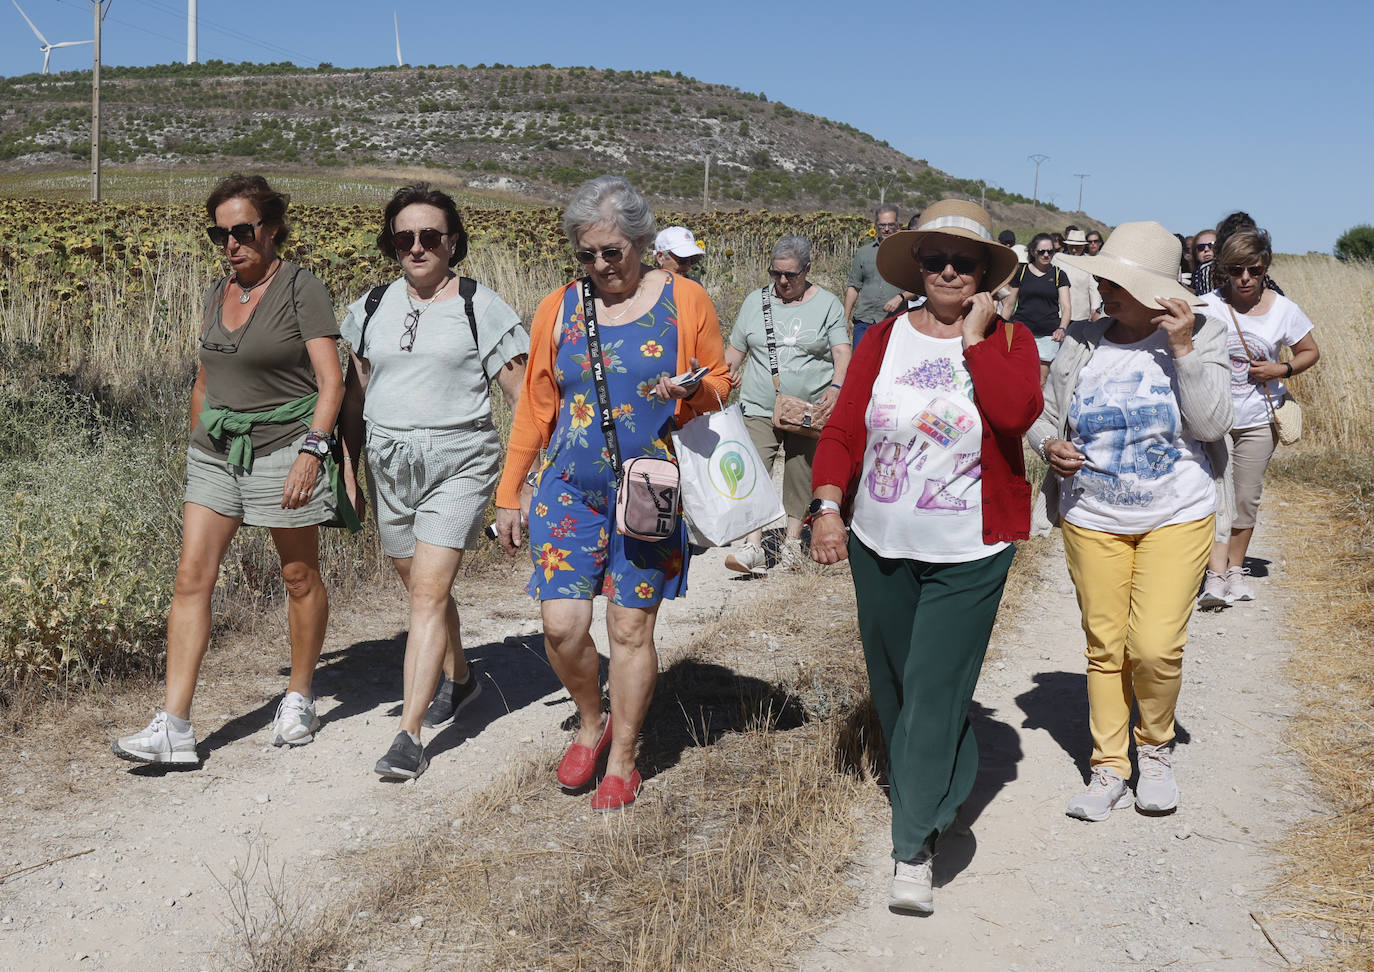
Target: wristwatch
[317, 446]
[819, 506]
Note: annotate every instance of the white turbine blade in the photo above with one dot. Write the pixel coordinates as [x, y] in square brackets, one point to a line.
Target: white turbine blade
[397, 24]
[70, 44]
[28, 21]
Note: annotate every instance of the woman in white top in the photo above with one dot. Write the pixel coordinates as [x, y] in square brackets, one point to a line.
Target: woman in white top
[424, 349]
[1135, 409]
[1259, 322]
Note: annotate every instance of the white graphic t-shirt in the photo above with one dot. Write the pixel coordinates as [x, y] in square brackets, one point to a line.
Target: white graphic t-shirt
[1282, 327]
[920, 495]
[1141, 472]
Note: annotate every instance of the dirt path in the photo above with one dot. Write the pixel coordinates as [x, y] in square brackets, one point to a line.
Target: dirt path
[1021, 886]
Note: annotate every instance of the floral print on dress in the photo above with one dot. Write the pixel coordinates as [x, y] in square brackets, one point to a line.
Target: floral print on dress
[576, 550]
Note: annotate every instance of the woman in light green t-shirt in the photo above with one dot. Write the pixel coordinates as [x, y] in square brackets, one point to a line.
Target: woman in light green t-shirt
[812, 356]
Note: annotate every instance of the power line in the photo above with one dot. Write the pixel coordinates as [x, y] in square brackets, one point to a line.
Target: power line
[295, 56]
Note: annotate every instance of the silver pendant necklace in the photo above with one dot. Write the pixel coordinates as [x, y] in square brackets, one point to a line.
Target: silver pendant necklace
[246, 293]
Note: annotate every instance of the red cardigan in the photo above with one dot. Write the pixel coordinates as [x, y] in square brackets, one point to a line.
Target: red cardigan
[1006, 392]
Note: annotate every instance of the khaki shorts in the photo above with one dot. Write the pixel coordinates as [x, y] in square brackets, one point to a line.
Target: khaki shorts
[798, 452]
[255, 497]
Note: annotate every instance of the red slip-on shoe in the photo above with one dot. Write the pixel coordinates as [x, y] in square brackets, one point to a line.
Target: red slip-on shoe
[578, 765]
[614, 792]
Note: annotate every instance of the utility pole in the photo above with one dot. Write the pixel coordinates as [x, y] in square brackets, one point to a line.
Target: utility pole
[706, 185]
[98, 8]
[1038, 160]
[1080, 176]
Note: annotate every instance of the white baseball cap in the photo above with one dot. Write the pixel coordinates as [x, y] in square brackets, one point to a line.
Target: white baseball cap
[679, 241]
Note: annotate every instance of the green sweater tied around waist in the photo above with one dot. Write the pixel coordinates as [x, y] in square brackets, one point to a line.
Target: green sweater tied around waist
[235, 428]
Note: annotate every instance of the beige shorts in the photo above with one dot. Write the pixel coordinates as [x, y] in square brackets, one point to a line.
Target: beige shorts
[255, 497]
[798, 452]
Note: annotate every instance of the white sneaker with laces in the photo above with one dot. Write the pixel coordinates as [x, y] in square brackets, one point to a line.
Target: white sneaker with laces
[750, 559]
[1237, 587]
[911, 886]
[1213, 592]
[295, 723]
[1156, 790]
[1106, 792]
[160, 742]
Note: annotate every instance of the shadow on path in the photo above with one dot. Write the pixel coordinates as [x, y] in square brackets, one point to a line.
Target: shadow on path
[999, 751]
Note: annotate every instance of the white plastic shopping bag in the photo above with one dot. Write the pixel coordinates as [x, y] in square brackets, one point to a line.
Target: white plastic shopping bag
[726, 491]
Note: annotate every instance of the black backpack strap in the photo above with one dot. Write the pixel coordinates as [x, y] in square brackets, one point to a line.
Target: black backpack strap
[374, 300]
[467, 289]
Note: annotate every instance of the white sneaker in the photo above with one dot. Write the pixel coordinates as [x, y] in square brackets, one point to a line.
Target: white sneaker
[911, 886]
[1106, 792]
[1213, 592]
[1237, 587]
[750, 559]
[159, 743]
[295, 723]
[1156, 789]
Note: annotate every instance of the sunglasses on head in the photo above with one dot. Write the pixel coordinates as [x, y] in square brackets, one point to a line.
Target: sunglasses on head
[1256, 271]
[242, 232]
[936, 263]
[611, 254]
[788, 275]
[430, 239]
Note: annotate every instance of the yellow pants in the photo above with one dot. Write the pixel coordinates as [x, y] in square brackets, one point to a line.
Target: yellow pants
[1136, 593]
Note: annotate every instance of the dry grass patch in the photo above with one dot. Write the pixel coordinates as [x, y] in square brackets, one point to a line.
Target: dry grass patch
[1329, 546]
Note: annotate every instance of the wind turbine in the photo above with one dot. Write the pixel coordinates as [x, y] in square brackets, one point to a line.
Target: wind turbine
[397, 24]
[44, 46]
[191, 22]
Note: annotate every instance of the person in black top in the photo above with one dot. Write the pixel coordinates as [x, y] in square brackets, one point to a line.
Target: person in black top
[1039, 292]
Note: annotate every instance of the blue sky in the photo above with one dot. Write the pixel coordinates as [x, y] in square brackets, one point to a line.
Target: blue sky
[1178, 112]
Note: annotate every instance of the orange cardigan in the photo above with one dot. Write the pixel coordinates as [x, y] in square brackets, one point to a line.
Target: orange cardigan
[698, 336]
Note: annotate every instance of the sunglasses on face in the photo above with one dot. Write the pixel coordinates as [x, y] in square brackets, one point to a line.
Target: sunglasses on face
[1044, 252]
[787, 275]
[936, 263]
[611, 254]
[242, 232]
[1256, 271]
[430, 239]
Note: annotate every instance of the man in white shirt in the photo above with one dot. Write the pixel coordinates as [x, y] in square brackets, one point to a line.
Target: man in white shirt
[1085, 303]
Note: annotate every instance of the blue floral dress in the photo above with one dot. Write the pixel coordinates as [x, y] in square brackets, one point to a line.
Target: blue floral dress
[576, 550]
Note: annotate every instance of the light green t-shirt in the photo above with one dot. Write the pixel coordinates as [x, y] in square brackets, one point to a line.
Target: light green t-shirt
[804, 332]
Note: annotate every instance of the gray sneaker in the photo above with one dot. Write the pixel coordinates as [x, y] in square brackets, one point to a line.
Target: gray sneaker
[160, 742]
[1156, 790]
[405, 760]
[451, 698]
[750, 559]
[1106, 792]
[911, 886]
[1213, 592]
[295, 723]
[1237, 587]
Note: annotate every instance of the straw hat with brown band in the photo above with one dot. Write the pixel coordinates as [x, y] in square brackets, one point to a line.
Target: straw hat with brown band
[950, 217]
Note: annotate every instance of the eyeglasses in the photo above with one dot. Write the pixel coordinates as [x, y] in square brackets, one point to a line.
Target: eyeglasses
[936, 263]
[611, 254]
[1049, 252]
[788, 275]
[1256, 271]
[430, 239]
[1204, 246]
[887, 226]
[412, 324]
[242, 232]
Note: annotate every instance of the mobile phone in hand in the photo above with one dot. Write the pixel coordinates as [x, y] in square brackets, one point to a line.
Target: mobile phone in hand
[690, 378]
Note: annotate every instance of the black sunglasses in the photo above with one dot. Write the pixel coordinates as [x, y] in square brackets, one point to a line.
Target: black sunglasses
[611, 254]
[242, 232]
[430, 239]
[1256, 271]
[788, 275]
[1204, 246]
[936, 263]
[1044, 252]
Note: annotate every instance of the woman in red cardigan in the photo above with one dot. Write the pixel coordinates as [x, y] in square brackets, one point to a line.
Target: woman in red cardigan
[922, 459]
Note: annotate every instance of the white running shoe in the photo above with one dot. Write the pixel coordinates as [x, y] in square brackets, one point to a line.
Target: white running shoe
[159, 743]
[911, 886]
[1213, 592]
[1156, 790]
[1237, 587]
[295, 723]
[1106, 792]
[749, 560]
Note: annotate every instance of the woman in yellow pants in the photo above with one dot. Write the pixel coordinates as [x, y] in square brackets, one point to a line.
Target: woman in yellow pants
[1135, 410]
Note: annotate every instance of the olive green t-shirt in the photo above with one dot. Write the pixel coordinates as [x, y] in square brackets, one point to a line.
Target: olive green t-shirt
[264, 363]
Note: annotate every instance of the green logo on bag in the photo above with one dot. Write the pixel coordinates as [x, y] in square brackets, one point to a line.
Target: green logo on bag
[731, 475]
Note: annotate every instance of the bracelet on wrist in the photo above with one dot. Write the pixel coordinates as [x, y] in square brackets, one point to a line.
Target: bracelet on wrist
[1289, 366]
[1041, 448]
[836, 387]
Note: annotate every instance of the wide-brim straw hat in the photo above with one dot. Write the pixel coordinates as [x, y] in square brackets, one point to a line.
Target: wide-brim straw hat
[1142, 259]
[1075, 238]
[950, 217]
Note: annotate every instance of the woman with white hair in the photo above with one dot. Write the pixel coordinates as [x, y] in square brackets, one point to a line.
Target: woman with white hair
[1136, 408]
[804, 323]
[653, 325]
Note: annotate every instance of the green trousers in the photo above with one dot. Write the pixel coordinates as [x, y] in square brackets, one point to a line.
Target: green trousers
[925, 630]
